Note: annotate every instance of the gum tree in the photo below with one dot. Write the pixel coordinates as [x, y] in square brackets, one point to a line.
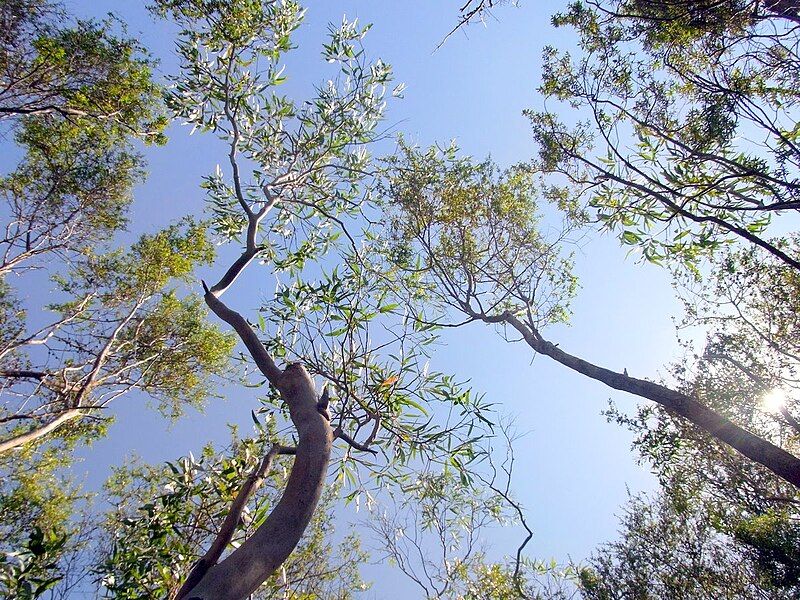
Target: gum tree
[121, 328]
[294, 194]
[165, 515]
[684, 144]
[685, 135]
[83, 321]
[732, 516]
[77, 96]
[473, 235]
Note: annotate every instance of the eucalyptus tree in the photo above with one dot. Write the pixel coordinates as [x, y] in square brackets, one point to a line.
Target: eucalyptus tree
[163, 516]
[722, 511]
[119, 328]
[83, 321]
[688, 150]
[52, 64]
[684, 142]
[685, 130]
[474, 238]
[294, 194]
[668, 548]
[77, 96]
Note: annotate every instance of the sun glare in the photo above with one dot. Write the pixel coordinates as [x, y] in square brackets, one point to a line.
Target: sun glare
[773, 401]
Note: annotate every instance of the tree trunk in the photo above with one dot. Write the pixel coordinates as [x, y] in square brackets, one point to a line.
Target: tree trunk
[247, 567]
[784, 464]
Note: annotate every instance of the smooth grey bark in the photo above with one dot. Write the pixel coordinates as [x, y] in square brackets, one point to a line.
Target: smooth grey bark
[247, 567]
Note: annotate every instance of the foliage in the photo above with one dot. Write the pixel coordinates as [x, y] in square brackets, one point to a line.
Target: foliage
[82, 71]
[121, 328]
[102, 321]
[165, 516]
[475, 236]
[687, 131]
[351, 328]
[307, 158]
[306, 210]
[39, 526]
[78, 96]
[364, 281]
[71, 190]
[734, 516]
[669, 549]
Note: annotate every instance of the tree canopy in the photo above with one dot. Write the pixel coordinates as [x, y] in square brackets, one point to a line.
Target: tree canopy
[680, 138]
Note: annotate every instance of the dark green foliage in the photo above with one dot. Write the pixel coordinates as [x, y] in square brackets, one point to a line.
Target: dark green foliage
[669, 550]
[773, 541]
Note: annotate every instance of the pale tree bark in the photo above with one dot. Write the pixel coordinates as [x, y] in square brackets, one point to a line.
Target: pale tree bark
[246, 568]
[22, 439]
[74, 407]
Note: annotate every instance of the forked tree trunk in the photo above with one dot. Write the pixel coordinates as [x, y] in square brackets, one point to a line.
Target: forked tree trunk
[247, 567]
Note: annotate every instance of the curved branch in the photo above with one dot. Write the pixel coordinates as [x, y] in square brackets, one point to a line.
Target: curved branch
[260, 355]
[228, 527]
[339, 434]
[39, 432]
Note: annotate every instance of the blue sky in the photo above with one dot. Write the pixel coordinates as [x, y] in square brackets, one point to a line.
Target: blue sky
[573, 468]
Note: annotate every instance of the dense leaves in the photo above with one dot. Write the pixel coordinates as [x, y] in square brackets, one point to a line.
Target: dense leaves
[40, 526]
[119, 329]
[669, 549]
[476, 237]
[686, 127]
[83, 71]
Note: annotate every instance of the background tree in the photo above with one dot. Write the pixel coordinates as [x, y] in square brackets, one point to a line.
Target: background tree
[668, 548]
[76, 97]
[683, 145]
[76, 94]
[736, 518]
[475, 238]
[42, 527]
[687, 131]
[82, 321]
[688, 147]
[120, 329]
[51, 65]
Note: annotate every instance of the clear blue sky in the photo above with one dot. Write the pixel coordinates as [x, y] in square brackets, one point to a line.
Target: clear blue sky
[573, 468]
